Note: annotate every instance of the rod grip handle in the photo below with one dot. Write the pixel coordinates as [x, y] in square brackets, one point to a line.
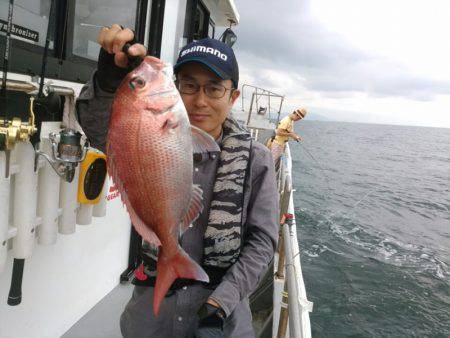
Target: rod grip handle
[15, 291]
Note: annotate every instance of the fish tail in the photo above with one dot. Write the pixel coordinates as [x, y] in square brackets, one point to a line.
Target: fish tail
[169, 269]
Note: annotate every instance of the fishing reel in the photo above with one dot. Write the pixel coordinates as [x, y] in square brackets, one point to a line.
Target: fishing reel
[67, 152]
[16, 130]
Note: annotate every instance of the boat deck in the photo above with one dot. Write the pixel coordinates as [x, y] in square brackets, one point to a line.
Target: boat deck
[102, 321]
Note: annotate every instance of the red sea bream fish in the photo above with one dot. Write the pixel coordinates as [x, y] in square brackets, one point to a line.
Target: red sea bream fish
[150, 145]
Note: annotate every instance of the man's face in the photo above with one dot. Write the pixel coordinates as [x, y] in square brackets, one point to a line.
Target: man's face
[295, 117]
[205, 112]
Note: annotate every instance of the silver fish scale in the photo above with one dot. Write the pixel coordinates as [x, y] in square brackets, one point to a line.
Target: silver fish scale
[165, 172]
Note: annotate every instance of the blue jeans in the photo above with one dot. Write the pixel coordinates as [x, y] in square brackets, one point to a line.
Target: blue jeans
[209, 332]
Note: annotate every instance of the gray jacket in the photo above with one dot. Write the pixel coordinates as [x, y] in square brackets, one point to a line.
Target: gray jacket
[260, 233]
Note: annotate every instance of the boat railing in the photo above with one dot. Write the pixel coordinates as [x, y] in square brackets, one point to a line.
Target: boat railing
[295, 307]
[290, 305]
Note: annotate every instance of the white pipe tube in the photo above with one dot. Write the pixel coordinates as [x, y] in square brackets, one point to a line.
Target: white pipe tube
[100, 208]
[84, 214]
[69, 204]
[48, 190]
[4, 210]
[25, 201]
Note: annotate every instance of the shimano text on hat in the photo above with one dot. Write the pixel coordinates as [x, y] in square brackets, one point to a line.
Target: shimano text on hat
[204, 49]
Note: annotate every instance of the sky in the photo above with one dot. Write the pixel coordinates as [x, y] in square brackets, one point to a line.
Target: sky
[375, 61]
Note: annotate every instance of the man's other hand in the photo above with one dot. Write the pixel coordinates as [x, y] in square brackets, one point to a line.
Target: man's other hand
[211, 320]
[213, 303]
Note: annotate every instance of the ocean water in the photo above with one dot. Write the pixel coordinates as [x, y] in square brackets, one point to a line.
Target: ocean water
[373, 213]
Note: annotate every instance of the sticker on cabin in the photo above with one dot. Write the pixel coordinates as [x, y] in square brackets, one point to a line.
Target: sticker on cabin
[20, 31]
[113, 193]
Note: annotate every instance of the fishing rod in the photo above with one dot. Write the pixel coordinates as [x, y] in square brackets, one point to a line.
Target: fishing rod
[12, 129]
[4, 92]
[47, 102]
[314, 159]
[6, 64]
[15, 291]
[14, 296]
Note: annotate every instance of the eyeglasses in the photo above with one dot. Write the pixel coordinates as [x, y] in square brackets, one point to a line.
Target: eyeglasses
[299, 115]
[212, 90]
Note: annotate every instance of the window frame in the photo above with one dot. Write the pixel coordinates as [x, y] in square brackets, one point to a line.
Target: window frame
[156, 28]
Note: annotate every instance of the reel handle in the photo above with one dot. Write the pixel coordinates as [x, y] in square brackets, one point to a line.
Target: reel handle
[133, 61]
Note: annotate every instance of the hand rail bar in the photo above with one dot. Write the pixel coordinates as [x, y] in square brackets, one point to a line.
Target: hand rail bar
[295, 327]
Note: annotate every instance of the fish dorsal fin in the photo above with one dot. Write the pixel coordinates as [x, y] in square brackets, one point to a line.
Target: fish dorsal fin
[194, 209]
[202, 142]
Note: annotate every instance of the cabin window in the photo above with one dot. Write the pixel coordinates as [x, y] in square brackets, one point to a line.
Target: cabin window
[197, 21]
[92, 13]
[73, 35]
[201, 22]
[30, 20]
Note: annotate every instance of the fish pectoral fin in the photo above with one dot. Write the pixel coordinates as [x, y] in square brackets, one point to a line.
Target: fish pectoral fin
[171, 121]
[169, 269]
[194, 209]
[202, 142]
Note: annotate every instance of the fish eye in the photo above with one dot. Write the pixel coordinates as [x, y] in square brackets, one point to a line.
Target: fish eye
[137, 82]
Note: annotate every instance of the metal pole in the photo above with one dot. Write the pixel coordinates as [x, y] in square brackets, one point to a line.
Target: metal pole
[250, 110]
[285, 195]
[280, 267]
[284, 314]
[295, 327]
[242, 97]
[284, 205]
[31, 88]
[279, 111]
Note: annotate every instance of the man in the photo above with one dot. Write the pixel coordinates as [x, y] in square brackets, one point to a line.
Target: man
[235, 236]
[284, 132]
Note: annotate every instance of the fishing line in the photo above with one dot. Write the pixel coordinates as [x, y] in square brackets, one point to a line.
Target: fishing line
[348, 211]
[362, 199]
[47, 44]
[63, 42]
[327, 179]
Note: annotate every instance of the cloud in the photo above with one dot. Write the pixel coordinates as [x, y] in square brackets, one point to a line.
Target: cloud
[281, 39]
